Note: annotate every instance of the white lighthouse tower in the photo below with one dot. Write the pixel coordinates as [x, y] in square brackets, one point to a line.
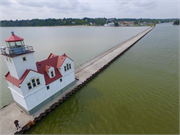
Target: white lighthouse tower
[18, 56]
[34, 84]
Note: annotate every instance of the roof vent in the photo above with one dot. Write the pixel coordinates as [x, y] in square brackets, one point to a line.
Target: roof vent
[39, 64]
[61, 57]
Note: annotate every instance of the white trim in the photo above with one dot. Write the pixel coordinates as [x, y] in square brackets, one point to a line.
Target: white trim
[70, 71]
[15, 92]
[34, 91]
[26, 95]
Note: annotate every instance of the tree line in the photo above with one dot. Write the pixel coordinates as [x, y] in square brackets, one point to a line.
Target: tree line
[176, 22]
[76, 21]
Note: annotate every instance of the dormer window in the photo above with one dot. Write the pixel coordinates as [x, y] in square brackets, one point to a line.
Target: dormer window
[50, 71]
[52, 74]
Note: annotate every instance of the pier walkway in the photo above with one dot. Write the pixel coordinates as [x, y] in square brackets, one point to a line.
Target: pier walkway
[12, 112]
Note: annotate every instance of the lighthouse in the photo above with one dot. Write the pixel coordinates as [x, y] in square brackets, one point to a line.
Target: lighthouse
[34, 84]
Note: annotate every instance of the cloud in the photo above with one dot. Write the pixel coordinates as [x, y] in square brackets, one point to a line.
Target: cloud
[29, 9]
[58, 6]
[145, 4]
[6, 2]
[31, 3]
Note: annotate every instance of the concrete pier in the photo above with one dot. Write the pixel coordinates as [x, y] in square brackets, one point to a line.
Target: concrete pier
[12, 112]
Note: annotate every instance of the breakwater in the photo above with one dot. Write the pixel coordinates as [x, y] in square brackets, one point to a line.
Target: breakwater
[84, 73]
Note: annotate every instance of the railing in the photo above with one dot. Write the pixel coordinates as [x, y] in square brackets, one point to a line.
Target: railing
[14, 51]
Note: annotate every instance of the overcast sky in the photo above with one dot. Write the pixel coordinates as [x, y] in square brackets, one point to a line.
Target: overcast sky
[42, 9]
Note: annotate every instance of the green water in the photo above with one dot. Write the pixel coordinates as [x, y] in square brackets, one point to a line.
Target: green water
[136, 94]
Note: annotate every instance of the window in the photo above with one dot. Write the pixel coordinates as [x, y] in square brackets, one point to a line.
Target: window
[48, 87]
[38, 81]
[64, 68]
[10, 60]
[61, 80]
[24, 58]
[52, 73]
[29, 85]
[67, 66]
[33, 82]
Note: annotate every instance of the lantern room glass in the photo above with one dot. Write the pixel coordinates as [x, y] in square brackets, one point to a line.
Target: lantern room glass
[15, 44]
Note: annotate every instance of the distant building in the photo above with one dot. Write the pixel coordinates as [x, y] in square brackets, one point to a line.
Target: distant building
[34, 84]
[110, 24]
[121, 23]
[131, 23]
[73, 22]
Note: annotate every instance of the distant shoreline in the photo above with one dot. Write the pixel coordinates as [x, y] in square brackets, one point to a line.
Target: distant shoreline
[77, 25]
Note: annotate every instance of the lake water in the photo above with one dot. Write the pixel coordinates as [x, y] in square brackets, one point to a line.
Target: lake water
[80, 43]
[137, 94]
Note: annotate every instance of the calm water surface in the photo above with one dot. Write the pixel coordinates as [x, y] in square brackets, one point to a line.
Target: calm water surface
[80, 43]
[136, 94]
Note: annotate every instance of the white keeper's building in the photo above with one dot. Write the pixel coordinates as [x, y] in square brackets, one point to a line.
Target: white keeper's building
[34, 84]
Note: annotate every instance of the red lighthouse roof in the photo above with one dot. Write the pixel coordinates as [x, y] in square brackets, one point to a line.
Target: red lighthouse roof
[13, 38]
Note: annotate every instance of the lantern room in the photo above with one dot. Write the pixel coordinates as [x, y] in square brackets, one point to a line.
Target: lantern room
[15, 46]
[14, 41]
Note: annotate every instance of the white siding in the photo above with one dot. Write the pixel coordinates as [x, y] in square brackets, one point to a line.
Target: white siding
[35, 98]
[28, 78]
[31, 101]
[31, 98]
[15, 88]
[18, 66]
[11, 67]
[19, 99]
[42, 94]
[67, 60]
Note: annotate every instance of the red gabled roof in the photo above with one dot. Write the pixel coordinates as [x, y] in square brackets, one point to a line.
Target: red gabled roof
[13, 38]
[15, 81]
[61, 59]
[55, 61]
[47, 68]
